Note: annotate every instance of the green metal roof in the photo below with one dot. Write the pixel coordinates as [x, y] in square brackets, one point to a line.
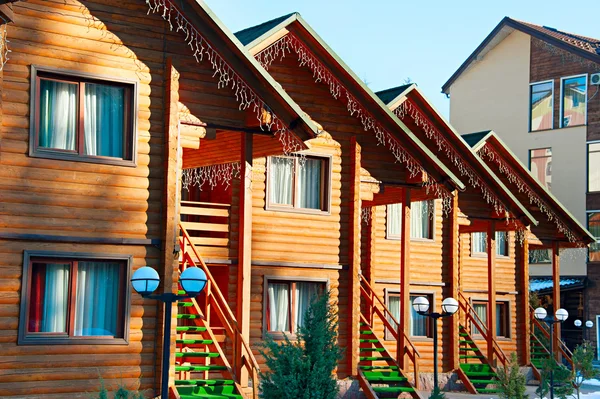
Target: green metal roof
[473, 138]
[389, 95]
[248, 35]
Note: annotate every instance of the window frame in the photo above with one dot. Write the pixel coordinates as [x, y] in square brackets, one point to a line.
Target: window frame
[505, 320]
[484, 254]
[587, 165]
[529, 105]
[430, 295]
[131, 114]
[587, 223]
[549, 262]
[278, 335]
[27, 338]
[398, 237]
[326, 184]
[560, 112]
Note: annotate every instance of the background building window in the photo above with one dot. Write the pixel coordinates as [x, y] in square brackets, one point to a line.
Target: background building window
[296, 186]
[287, 303]
[573, 101]
[541, 105]
[539, 256]
[540, 164]
[420, 326]
[479, 243]
[594, 228]
[593, 167]
[421, 220]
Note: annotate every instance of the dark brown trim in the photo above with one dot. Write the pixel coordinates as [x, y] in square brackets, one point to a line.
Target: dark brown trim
[6, 13]
[63, 339]
[80, 240]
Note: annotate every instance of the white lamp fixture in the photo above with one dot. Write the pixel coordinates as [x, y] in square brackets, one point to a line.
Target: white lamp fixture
[420, 304]
[540, 313]
[562, 314]
[193, 280]
[589, 324]
[449, 305]
[145, 280]
[577, 323]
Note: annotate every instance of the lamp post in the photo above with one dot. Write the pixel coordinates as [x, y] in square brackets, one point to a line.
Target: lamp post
[145, 281]
[588, 324]
[559, 316]
[449, 307]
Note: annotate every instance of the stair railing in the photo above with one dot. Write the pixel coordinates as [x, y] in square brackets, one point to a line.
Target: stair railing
[216, 304]
[472, 319]
[376, 307]
[562, 347]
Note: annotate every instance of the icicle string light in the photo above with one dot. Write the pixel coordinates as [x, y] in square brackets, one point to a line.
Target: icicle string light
[290, 43]
[365, 215]
[4, 50]
[522, 186]
[214, 175]
[225, 75]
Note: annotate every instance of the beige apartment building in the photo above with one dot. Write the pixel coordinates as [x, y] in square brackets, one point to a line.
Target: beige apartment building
[537, 88]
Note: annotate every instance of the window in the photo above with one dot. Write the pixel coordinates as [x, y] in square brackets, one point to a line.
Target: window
[594, 228]
[593, 167]
[287, 302]
[541, 105]
[502, 320]
[82, 119]
[421, 220]
[540, 164]
[293, 185]
[419, 325]
[573, 101]
[479, 243]
[539, 256]
[74, 299]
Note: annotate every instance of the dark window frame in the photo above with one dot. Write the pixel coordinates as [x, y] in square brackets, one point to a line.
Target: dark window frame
[587, 164]
[504, 319]
[27, 338]
[597, 243]
[81, 78]
[430, 295]
[561, 120]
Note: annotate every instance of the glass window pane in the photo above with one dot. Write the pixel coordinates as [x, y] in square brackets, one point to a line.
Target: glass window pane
[541, 106]
[278, 307]
[104, 120]
[394, 219]
[418, 323]
[420, 219]
[281, 178]
[501, 317]
[479, 242]
[502, 243]
[593, 168]
[57, 115]
[481, 314]
[539, 256]
[394, 308]
[305, 293]
[97, 299]
[574, 101]
[594, 228]
[48, 304]
[309, 184]
[540, 164]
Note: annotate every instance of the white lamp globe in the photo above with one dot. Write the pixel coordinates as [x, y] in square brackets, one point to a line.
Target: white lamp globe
[577, 323]
[145, 280]
[589, 324]
[540, 313]
[420, 304]
[193, 280]
[562, 314]
[449, 306]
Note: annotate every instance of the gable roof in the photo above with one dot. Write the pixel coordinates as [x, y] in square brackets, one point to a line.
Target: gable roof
[248, 35]
[388, 96]
[582, 46]
[257, 36]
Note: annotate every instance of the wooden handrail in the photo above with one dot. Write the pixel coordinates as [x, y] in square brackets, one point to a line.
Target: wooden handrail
[562, 347]
[221, 308]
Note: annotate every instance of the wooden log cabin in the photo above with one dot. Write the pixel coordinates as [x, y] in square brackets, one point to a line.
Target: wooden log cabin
[142, 133]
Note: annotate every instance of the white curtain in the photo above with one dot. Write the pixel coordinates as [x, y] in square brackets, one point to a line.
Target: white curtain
[305, 292]
[279, 306]
[479, 242]
[56, 298]
[394, 307]
[309, 184]
[393, 219]
[420, 226]
[418, 323]
[501, 243]
[58, 115]
[281, 178]
[104, 120]
[96, 309]
[481, 311]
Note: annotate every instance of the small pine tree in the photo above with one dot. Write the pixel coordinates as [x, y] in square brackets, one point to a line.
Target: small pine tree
[511, 381]
[437, 394]
[563, 380]
[304, 369]
[583, 357]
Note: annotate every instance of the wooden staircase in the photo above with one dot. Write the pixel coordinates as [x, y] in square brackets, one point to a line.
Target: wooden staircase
[210, 365]
[379, 374]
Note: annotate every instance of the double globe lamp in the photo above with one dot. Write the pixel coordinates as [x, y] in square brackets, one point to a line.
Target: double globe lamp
[145, 281]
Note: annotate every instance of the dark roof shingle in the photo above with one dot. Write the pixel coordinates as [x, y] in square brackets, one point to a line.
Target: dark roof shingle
[390, 94]
[474, 138]
[248, 35]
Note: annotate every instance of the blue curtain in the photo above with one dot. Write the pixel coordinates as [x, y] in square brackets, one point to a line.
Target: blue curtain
[58, 115]
[104, 120]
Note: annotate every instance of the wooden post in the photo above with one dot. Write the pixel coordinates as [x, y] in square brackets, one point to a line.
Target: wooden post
[491, 308]
[244, 272]
[523, 313]
[354, 260]
[404, 278]
[555, 294]
[453, 281]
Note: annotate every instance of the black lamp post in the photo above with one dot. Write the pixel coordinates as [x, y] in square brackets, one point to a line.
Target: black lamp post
[145, 281]
[560, 316]
[449, 307]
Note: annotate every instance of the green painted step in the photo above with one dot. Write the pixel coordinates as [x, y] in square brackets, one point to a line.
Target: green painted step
[393, 390]
[185, 304]
[477, 368]
[463, 334]
[362, 367]
[203, 382]
[188, 316]
[369, 341]
[210, 367]
[362, 324]
[190, 329]
[466, 342]
[469, 349]
[208, 392]
[366, 332]
[181, 292]
[482, 381]
[196, 354]
[372, 349]
[384, 376]
[194, 341]
[375, 358]
[471, 357]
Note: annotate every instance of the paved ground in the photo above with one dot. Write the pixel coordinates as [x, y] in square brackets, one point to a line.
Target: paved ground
[530, 392]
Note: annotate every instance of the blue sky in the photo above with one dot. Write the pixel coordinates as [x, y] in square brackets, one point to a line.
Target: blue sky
[388, 41]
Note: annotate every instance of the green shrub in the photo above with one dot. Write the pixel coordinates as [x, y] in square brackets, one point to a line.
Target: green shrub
[511, 381]
[583, 357]
[563, 380]
[437, 394]
[121, 393]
